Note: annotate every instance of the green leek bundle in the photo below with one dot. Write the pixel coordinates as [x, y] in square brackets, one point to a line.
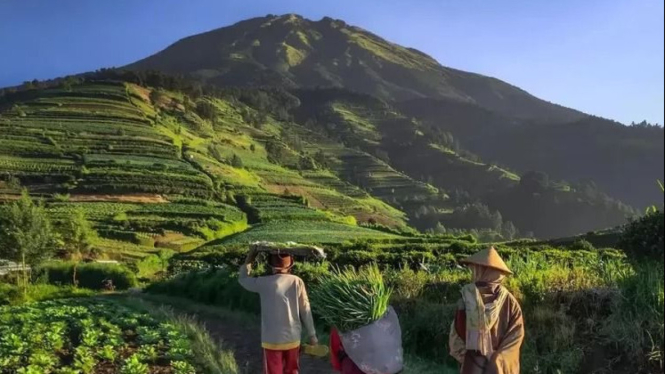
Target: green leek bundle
[351, 299]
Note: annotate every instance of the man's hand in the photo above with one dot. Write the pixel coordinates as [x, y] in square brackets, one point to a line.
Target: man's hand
[313, 341]
[251, 255]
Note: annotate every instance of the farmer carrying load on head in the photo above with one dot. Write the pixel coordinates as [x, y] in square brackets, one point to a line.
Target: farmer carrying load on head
[284, 309]
[488, 330]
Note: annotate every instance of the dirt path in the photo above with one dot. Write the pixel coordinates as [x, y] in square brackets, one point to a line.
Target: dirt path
[246, 343]
[241, 337]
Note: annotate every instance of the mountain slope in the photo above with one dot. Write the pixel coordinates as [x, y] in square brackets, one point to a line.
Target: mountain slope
[624, 161]
[292, 51]
[479, 194]
[317, 159]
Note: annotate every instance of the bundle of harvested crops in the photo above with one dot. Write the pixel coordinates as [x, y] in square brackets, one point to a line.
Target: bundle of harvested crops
[351, 299]
[291, 248]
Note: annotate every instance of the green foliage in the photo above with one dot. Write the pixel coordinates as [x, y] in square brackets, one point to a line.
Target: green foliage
[351, 299]
[182, 367]
[214, 287]
[26, 235]
[78, 237]
[236, 162]
[582, 245]
[90, 275]
[635, 325]
[307, 232]
[133, 365]
[643, 238]
[567, 297]
[96, 333]
[12, 295]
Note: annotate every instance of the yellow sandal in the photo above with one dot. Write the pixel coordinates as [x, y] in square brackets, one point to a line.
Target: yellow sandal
[315, 350]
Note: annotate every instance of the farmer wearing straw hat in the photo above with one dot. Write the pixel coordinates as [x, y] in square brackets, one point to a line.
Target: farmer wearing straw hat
[488, 330]
[284, 309]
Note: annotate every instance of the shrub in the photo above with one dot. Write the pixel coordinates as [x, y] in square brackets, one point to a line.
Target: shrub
[425, 328]
[12, 295]
[213, 287]
[582, 245]
[90, 275]
[635, 326]
[643, 238]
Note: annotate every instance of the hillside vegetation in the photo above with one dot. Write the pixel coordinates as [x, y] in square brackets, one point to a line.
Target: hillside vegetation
[493, 119]
[285, 129]
[160, 164]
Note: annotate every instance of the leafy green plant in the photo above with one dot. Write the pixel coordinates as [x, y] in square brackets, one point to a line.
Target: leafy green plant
[133, 365]
[43, 359]
[351, 299]
[31, 334]
[31, 369]
[182, 367]
[107, 353]
[84, 360]
[147, 353]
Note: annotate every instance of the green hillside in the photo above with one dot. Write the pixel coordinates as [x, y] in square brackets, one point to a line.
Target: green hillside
[151, 173]
[624, 161]
[324, 155]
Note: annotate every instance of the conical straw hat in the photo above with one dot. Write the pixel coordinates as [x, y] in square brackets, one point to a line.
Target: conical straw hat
[488, 257]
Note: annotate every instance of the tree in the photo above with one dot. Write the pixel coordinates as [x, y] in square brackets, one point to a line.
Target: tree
[321, 159]
[156, 96]
[236, 161]
[439, 228]
[508, 230]
[26, 234]
[535, 181]
[78, 238]
[164, 255]
[306, 163]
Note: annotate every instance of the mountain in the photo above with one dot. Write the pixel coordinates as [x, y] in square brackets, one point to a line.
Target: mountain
[493, 119]
[291, 51]
[289, 119]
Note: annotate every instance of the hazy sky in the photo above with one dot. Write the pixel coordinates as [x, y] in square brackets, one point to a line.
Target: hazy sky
[604, 57]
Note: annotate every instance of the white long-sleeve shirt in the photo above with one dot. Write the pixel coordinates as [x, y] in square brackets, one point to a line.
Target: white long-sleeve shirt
[284, 308]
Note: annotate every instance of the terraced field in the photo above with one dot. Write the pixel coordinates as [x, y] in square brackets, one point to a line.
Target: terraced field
[307, 232]
[95, 140]
[149, 173]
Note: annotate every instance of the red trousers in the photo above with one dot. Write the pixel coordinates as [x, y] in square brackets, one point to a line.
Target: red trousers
[281, 362]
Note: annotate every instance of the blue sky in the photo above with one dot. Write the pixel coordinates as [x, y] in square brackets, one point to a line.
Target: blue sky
[604, 57]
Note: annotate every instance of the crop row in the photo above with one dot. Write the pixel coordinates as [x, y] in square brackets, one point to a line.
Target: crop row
[90, 335]
[96, 126]
[40, 165]
[307, 232]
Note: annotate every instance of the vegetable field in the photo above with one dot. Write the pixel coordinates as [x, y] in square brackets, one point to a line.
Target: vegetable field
[90, 336]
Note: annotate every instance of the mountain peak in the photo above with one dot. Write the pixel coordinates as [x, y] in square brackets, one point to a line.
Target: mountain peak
[292, 51]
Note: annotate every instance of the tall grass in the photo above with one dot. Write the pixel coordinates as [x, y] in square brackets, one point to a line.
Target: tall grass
[577, 307]
[635, 326]
[210, 355]
[90, 275]
[12, 295]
